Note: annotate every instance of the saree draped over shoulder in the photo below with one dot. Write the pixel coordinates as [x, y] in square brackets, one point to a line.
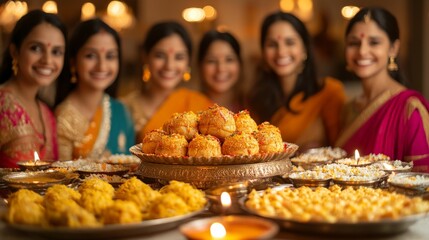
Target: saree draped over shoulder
[19, 138]
[317, 121]
[181, 100]
[395, 124]
[109, 131]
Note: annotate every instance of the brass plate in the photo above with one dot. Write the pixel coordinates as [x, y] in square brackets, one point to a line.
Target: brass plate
[35, 180]
[289, 150]
[210, 176]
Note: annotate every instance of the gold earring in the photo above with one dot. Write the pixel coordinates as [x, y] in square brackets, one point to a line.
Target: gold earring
[146, 73]
[187, 75]
[73, 78]
[392, 66]
[15, 66]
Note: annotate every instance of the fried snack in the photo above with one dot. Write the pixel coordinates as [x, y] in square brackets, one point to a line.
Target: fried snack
[167, 205]
[240, 144]
[25, 207]
[185, 124]
[217, 121]
[193, 197]
[121, 211]
[174, 145]
[138, 192]
[67, 213]
[95, 201]
[204, 146]
[151, 140]
[97, 185]
[244, 122]
[269, 138]
[59, 192]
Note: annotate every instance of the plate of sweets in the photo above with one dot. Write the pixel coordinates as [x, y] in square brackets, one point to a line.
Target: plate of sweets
[215, 136]
[411, 183]
[336, 211]
[95, 210]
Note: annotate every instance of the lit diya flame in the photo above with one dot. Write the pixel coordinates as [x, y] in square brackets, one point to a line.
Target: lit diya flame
[357, 156]
[225, 200]
[36, 158]
[217, 230]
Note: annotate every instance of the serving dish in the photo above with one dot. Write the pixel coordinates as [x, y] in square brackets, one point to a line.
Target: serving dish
[396, 166]
[289, 150]
[360, 181]
[213, 175]
[34, 165]
[37, 181]
[410, 183]
[107, 231]
[349, 228]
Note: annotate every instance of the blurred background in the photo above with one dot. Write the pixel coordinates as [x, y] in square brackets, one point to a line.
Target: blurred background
[325, 19]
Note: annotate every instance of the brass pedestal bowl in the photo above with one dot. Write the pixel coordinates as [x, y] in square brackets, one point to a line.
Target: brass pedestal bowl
[213, 175]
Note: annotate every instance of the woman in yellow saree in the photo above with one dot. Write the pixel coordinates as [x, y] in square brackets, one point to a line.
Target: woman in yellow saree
[167, 50]
[90, 121]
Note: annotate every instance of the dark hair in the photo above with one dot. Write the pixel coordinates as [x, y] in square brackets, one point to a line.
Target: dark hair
[267, 95]
[386, 22]
[84, 31]
[206, 41]
[162, 30]
[21, 30]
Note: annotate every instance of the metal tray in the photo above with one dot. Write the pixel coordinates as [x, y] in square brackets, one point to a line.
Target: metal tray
[289, 150]
[374, 183]
[398, 181]
[375, 228]
[107, 231]
[300, 182]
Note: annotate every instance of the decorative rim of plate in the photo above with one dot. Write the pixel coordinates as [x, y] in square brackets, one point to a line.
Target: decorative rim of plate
[290, 149]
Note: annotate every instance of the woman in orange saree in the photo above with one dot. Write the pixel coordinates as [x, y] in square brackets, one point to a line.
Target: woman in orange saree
[387, 118]
[35, 58]
[167, 50]
[288, 93]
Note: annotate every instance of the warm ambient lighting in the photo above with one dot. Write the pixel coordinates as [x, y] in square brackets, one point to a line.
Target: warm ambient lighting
[301, 8]
[349, 11]
[193, 14]
[50, 7]
[87, 11]
[217, 230]
[10, 12]
[119, 15]
[210, 12]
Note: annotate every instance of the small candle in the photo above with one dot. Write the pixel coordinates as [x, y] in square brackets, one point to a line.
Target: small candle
[229, 228]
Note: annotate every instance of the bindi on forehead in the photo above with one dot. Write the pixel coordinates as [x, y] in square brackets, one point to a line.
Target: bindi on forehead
[170, 50]
[362, 35]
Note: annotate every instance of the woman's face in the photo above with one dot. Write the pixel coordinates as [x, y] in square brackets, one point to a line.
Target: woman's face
[97, 62]
[41, 56]
[168, 60]
[284, 50]
[220, 67]
[368, 49]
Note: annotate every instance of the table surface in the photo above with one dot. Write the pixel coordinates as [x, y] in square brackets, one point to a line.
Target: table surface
[417, 231]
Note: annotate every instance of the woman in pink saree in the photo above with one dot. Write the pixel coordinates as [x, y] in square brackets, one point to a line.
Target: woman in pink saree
[387, 118]
[34, 59]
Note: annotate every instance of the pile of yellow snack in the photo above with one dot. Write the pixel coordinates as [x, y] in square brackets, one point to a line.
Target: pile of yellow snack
[97, 203]
[334, 204]
[213, 133]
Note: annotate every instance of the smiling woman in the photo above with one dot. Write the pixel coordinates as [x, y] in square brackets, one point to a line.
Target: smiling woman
[34, 59]
[90, 121]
